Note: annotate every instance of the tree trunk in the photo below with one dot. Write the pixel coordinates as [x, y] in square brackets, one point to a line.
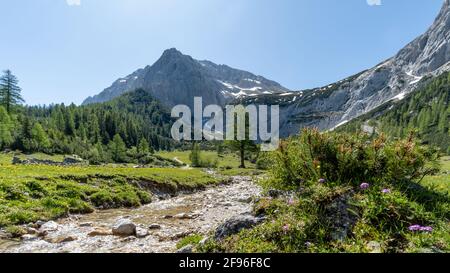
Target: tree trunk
[242, 150]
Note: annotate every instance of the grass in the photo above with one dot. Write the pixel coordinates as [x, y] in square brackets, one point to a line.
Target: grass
[228, 163]
[227, 160]
[193, 240]
[441, 181]
[40, 192]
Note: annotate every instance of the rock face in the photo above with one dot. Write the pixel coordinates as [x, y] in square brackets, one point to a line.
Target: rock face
[338, 103]
[176, 79]
[235, 225]
[124, 227]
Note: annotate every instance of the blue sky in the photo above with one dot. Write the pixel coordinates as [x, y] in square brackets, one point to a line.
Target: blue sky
[64, 53]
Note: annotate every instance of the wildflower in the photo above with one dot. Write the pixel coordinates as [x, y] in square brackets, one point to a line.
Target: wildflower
[286, 228]
[415, 228]
[322, 180]
[426, 229]
[386, 191]
[308, 244]
[291, 201]
[364, 186]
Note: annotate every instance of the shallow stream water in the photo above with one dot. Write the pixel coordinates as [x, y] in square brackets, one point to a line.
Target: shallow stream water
[204, 211]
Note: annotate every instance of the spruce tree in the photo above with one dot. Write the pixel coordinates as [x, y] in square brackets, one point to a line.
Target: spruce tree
[10, 91]
[118, 149]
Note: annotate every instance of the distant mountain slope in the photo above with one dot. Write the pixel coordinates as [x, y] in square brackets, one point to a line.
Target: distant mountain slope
[338, 103]
[176, 79]
[427, 110]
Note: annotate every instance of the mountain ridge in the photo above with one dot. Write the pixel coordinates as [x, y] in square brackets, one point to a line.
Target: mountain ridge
[176, 78]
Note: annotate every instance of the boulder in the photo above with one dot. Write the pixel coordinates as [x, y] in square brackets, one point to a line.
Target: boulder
[124, 227]
[235, 225]
[49, 226]
[340, 218]
[141, 232]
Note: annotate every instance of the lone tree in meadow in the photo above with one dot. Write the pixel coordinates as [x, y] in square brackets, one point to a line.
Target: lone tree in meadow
[242, 146]
[9, 91]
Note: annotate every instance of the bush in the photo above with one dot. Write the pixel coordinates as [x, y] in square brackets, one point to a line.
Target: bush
[263, 162]
[102, 198]
[353, 159]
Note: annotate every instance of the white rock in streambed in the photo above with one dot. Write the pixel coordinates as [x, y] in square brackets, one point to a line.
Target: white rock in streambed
[124, 227]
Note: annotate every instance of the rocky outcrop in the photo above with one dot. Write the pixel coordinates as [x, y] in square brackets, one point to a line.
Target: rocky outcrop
[68, 161]
[235, 225]
[339, 217]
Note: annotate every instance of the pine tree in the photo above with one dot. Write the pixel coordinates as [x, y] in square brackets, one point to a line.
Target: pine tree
[143, 147]
[10, 91]
[242, 146]
[195, 156]
[26, 136]
[118, 149]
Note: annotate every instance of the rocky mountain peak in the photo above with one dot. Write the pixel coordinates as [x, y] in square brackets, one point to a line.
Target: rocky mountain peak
[176, 78]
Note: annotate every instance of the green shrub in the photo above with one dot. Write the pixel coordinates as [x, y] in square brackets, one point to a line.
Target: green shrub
[102, 198]
[349, 159]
